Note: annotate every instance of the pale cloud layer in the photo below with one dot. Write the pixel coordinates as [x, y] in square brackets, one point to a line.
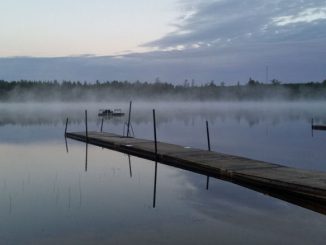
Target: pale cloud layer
[224, 40]
[231, 22]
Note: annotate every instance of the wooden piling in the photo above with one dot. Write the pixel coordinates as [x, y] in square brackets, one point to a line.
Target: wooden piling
[312, 123]
[129, 115]
[86, 126]
[155, 139]
[208, 139]
[66, 135]
[155, 146]
[209, 149]
[102, 124]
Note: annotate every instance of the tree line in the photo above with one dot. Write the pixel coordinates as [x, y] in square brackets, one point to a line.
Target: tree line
[25, 90]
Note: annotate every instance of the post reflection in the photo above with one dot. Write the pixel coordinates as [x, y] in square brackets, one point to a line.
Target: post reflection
[207, 182]
[86, 156]
[155, 181]
[67, 150]
[130, 170]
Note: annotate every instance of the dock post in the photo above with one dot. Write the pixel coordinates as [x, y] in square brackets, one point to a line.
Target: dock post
[86, 126]
[312, 122]
[155, 139]
[209, 149]
[66, 126]
[155, 173]
[208, 140]
[102, 125]
[128, 126]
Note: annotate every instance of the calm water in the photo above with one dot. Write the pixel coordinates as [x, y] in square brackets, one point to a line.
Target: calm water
[47, 197]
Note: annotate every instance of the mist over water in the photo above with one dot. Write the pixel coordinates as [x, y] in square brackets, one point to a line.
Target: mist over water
[111, 202]
[251, 112]
[279, 132]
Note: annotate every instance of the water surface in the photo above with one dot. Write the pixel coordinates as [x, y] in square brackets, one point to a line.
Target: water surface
[48, 197]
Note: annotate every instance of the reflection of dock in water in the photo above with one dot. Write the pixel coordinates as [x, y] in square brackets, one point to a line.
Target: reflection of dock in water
[302, 187]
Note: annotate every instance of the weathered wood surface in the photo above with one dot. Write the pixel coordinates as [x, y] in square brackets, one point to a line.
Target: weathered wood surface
[302, 184]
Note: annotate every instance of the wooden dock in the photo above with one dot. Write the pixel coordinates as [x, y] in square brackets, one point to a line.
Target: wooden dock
[301, 187]
[318, 127]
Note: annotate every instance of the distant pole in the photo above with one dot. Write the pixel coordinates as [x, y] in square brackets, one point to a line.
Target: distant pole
[155, 139]
[129, 118]
[102, 125]
[209, 149]
[66, 126]
[266, 74]
[86, 126]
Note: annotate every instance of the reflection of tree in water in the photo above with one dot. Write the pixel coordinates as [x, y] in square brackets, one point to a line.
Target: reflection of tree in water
[188, 113]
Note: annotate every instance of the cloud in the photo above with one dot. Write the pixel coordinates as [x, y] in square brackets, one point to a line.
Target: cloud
[307, 16]
[224, 40]
[225, 22]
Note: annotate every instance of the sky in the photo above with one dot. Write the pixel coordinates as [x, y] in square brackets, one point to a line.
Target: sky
[173, 40]
[74, 27]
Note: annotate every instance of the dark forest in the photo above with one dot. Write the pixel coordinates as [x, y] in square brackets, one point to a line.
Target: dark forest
[24, 90]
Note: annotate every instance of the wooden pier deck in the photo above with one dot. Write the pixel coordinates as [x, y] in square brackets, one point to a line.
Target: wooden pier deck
[301, 187]
[318, 127]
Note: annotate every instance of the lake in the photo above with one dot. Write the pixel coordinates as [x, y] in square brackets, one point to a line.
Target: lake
[53, 193]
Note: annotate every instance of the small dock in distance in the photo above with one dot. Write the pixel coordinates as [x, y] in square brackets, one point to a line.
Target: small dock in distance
[301, 187]
[317, 126]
